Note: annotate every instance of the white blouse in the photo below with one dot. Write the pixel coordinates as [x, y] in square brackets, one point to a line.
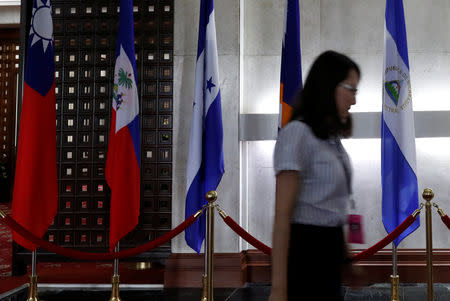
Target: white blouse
[325, 175]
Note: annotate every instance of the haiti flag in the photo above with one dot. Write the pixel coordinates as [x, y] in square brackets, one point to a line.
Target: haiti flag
[123, 160]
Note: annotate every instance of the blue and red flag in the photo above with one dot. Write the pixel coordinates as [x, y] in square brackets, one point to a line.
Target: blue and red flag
[400, 195]
[123, 160]
[205, 160]
[291, 63]
[35, 195]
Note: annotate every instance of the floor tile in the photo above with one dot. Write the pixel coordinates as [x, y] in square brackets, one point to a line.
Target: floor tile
[251, 292]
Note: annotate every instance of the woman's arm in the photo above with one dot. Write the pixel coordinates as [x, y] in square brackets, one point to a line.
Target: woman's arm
[287, 183]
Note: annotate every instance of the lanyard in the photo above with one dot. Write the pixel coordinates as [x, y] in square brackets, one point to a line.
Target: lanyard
[341, 154]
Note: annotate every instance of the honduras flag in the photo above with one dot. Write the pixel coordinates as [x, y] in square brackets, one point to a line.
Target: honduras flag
[205, 161]
[123, 161]
[398, 150]
[291, 63]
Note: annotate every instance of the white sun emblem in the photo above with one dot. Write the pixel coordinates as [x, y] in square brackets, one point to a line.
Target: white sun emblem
[41, 24]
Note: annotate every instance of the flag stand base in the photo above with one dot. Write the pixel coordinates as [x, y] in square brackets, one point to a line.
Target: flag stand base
[394, 288]
[32, 293]
[115, 288]
[205, 288]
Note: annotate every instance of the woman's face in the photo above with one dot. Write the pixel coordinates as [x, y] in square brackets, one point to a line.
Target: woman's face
[345, 94]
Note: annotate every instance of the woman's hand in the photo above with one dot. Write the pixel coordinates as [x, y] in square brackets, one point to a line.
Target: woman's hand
[287, 183]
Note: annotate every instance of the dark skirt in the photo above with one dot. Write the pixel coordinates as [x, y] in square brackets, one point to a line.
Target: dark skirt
[315, 263]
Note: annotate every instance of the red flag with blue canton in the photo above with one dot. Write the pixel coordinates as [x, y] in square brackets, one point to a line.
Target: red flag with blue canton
[123, 160]
[35, 195]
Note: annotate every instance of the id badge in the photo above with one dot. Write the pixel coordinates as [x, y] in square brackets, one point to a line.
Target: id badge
[355, 230]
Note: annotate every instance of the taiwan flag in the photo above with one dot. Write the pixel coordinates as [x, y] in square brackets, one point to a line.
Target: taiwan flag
[123, 160]
[35, 194]
[291, 63]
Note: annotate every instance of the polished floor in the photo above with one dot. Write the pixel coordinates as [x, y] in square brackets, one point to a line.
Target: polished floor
[378, 292]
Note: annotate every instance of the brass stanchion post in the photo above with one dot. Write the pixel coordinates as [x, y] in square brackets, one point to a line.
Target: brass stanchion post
[211, 197]
[428, 196]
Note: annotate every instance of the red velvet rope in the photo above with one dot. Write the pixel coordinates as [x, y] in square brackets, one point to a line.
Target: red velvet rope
[446, 220]
[247, 236]
[362, 255]
[11, 223]
[385, 241]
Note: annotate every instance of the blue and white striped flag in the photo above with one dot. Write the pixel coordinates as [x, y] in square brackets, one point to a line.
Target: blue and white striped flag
[398, 149]
[205, 161]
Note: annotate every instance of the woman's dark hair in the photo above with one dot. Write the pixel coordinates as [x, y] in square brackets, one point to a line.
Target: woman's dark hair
[316, 104]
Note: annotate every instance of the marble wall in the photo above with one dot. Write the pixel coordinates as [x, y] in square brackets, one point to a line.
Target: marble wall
[249, 34]
[185, 55]
[9, 14]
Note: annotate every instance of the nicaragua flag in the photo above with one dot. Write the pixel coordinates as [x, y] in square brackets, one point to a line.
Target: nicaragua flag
[291, 65]
[123, 160]
[398, 150]
[35, 195]
[205, 161]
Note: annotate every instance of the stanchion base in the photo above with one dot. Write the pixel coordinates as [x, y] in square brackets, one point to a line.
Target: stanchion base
[32, 293]
[394, 288]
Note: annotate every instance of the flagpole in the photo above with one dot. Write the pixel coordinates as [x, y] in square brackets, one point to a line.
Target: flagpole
[116, 261]
[33, 263]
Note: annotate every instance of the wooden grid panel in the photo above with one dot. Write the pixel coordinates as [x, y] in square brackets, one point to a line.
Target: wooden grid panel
[9, 66]
[85, 35]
